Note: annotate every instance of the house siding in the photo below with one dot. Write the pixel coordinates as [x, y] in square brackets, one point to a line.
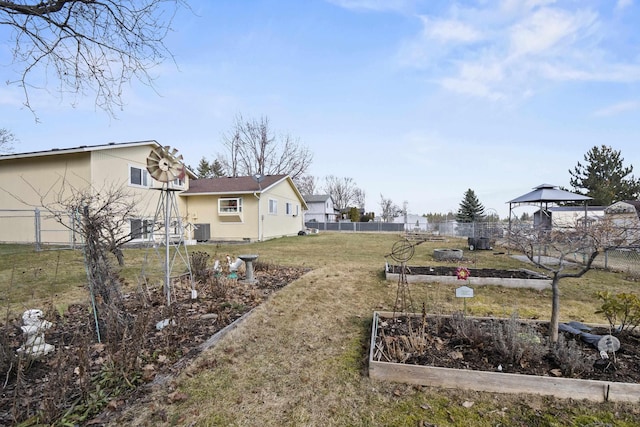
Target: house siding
[30, 183]
[281, 224]
[204, 210]
[36, 181]
[255, 222]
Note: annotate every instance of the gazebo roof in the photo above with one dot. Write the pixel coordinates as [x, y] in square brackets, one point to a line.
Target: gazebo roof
[549, 193]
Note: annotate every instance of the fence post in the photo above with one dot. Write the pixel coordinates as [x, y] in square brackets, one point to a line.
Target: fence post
[606, 259]
[37, 226]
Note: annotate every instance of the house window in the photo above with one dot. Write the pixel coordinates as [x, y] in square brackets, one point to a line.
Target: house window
[230, 205]
[138, 177]
[273, 206]
[289, 208]
[178, 182]
[141, 229]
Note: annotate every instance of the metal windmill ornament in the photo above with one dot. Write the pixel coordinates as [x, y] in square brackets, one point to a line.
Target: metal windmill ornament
[165, 166]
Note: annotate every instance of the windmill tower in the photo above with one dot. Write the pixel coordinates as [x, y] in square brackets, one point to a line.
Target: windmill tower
[166, 167]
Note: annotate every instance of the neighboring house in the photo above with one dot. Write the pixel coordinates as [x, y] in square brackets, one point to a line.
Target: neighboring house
[412, 222]
[568, 216]
[320, 208]
[33, 181]
[626, 214]
[243, 209]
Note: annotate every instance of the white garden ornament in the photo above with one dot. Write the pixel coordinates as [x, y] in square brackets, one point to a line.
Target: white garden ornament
[34, 327]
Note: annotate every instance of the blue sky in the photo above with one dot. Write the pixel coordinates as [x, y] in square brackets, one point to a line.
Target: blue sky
[417, 100]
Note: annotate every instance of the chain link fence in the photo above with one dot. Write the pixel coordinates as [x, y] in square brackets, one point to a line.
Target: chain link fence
[37, 227]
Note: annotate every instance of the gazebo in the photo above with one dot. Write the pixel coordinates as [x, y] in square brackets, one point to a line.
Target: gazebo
[545, 195]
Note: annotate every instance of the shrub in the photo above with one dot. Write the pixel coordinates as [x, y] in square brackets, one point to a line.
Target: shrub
[622, 307]
[468, 329]
[199, 267]
[517, 342]
[569, 356]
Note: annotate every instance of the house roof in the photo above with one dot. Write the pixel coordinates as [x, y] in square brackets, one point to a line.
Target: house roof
[635, 204]
[316, 198]
[237, 185]
[550, 193]
[86, 149]
[577, 208]
[80, 149]
[229, 185]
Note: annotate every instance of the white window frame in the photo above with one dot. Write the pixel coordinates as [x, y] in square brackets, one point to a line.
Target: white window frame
[288, 208]
[273, 207]
[146, 228]
[179, 183]
[227, 210]
[145, 178]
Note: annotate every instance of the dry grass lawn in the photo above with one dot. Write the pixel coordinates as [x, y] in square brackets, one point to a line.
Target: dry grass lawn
[300, 358]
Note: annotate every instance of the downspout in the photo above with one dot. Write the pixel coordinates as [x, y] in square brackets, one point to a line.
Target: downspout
[257, 196]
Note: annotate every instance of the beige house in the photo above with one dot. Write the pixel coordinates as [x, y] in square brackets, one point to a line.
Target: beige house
[31, 181]
[244, 208]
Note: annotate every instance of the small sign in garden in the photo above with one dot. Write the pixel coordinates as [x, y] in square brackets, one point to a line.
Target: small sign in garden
[463, 291]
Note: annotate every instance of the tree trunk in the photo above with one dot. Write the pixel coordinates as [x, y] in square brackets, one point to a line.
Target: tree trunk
[555, 309]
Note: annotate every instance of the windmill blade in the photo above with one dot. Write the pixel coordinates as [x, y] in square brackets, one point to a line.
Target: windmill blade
[165, 165]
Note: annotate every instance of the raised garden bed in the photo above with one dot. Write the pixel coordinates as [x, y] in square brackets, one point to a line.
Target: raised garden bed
[521, 278]
[546, 381]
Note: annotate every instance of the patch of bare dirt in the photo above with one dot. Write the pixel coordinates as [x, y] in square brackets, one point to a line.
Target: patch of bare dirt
[474, 272]
[60, 381]
[505, 345]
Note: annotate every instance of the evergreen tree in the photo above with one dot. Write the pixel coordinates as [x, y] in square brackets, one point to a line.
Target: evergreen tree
[604, 178]
[471, 210]
[204, 169]
[217, 170]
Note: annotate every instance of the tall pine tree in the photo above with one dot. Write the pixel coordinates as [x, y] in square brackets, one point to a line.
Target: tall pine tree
[604, 178]
[204, 169]
[470, 210]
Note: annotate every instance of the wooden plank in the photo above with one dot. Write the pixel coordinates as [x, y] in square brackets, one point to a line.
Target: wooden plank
[497, 382]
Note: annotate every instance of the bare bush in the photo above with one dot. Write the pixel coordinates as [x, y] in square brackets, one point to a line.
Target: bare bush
[468, 329]
[517, 342]
[570, 357]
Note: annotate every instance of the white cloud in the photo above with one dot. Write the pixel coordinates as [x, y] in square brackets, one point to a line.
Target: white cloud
[623, 4]
[546, 29]
[449, 31]
[375, 5]
[505, 51]
[613, 73]
[615, 109]
[471, 87]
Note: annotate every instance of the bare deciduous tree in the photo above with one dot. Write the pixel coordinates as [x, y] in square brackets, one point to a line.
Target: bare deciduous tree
[109, 210]
[7, 139]
[101, 217]
[388, 209]
[559, 243]
[307, 184]
[344, 192]
[253, 148]
[89, 46]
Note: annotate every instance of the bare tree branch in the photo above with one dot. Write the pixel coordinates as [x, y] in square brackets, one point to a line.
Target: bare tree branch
[87, 45]
[253, 148]
[549, 249]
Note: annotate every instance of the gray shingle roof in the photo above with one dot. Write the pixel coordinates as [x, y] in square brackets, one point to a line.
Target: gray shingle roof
[228, 185]
[316, 198]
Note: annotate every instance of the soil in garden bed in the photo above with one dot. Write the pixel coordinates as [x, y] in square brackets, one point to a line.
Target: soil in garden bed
[52, 385]
[474, 272]
[503, 345]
